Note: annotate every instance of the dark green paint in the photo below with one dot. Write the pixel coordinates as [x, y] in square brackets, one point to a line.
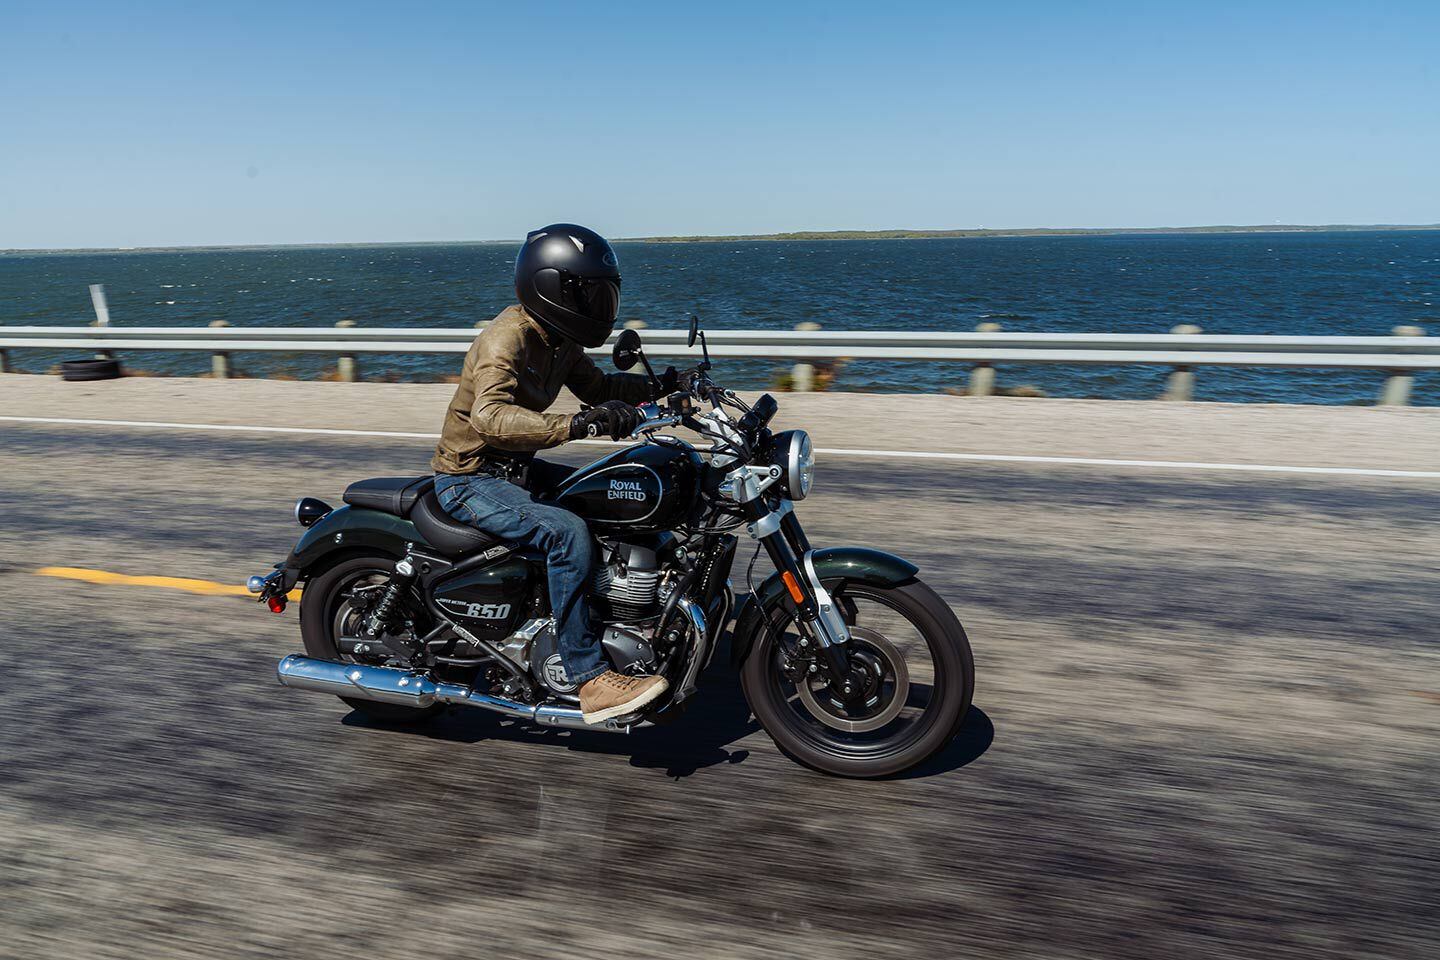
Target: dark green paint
[356, 527]
[831, 563]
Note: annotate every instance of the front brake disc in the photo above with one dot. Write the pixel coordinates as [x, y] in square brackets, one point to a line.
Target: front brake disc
[895, 670]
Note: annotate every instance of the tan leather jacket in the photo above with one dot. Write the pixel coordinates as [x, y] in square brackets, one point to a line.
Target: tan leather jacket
[513, 371]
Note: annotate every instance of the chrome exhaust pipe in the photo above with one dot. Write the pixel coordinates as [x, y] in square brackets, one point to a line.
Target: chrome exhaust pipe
[381, 684]
[410, 689]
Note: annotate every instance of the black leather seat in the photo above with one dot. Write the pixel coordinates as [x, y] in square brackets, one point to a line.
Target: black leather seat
[395, 495]
[414, 498]
[444, 532]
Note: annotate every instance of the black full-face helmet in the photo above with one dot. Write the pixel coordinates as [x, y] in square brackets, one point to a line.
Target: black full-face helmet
[567, 277]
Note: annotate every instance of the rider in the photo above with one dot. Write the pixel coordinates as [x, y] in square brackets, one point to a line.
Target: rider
[486, 475]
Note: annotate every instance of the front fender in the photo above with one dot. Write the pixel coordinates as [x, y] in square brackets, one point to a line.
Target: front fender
[832, 563]
[348, 528]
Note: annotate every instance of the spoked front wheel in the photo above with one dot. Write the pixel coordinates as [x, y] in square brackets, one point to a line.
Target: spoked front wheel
[908, 688]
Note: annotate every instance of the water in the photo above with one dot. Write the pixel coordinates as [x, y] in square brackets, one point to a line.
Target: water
[1309, 283]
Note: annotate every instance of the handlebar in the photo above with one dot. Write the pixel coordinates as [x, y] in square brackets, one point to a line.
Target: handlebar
[655, 418]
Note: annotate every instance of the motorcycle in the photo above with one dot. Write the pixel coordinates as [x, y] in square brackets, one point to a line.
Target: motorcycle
[849, 661]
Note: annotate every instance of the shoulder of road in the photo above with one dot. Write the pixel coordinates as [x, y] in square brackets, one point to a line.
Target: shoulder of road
[1248, 435]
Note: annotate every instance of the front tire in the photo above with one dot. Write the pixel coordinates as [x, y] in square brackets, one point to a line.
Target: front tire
[876, 736]
[323, 609]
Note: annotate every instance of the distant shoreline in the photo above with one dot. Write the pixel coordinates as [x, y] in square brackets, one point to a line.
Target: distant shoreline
[1043, 232]
[791, 236]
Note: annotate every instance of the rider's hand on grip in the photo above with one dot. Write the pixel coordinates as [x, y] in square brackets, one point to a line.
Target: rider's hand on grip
[614, 418]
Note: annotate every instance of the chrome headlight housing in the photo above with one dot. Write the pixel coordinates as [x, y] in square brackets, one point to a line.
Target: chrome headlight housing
[794, 455]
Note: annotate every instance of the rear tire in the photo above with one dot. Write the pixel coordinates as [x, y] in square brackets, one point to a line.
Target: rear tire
[897, 744]
[319, 610]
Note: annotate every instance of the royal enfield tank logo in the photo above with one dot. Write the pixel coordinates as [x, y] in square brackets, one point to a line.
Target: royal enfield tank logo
[626, 490]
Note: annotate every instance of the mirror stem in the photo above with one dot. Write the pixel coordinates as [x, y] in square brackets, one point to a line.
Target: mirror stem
[653, 379]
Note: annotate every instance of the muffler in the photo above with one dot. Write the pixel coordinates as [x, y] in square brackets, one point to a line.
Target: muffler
[407, 688]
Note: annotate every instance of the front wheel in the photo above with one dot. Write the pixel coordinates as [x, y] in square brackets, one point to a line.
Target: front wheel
[911, 677]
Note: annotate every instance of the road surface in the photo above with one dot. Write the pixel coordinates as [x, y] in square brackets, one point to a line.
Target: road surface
[1205, 726]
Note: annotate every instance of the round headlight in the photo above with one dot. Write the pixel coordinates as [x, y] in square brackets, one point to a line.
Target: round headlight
[796, 457]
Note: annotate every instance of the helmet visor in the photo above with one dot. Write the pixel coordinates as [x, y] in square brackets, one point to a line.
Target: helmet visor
[594, 299]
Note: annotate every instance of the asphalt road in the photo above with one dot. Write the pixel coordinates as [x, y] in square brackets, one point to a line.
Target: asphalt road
[1205, 726]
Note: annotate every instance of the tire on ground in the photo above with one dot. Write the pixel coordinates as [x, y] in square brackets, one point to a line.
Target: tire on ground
[953, 658]
[83, 370]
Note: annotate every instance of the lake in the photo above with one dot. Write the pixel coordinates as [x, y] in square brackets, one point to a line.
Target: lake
[1359, 283]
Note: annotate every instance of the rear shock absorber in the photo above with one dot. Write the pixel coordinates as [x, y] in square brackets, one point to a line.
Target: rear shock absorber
[380, 617]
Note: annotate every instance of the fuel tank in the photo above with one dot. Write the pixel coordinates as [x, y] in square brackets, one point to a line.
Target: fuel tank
[642, 489]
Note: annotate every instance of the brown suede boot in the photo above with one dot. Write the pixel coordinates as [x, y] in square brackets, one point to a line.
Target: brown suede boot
[614, 694]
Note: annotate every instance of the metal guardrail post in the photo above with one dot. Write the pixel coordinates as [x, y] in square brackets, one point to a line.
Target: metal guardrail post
[346, 367]
[220, 361]
[1180, 385]
[982, 376]
[802, 375]
[1396, 390]
[102, 315]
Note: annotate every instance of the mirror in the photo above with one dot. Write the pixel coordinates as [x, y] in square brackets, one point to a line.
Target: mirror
[765, 409]
[694, 329]
[627, 350]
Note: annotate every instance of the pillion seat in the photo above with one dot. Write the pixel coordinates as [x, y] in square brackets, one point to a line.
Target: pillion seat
[393, 495]
[414, 499]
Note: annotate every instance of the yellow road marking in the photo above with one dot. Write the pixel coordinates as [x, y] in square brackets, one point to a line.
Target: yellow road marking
[207, 588]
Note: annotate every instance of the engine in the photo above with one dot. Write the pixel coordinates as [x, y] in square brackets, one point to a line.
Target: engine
[628, 652]
[624, 592]
[626, 582]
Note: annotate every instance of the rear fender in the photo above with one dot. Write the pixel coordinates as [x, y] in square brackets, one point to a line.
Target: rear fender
[349, 529]
[847, 564]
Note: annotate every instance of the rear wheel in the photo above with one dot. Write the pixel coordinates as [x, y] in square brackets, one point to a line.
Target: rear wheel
[911, 679]
[334, 605]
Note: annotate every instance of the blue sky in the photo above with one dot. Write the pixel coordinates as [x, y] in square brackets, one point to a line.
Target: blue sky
[154, 124]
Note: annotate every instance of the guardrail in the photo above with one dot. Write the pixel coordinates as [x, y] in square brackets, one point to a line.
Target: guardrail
[1183, 349]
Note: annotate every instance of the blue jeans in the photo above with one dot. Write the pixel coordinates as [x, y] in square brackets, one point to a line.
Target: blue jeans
[510, 512]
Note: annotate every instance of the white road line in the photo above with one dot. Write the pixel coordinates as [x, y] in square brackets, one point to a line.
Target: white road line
[230, 427]
[828, 451]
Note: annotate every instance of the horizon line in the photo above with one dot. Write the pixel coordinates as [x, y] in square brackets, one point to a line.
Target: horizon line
[897, 233]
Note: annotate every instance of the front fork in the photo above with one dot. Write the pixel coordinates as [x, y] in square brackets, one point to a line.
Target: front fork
[817, 614]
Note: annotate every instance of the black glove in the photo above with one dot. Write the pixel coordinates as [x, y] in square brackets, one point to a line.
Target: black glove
[613, 417]
[669, 383]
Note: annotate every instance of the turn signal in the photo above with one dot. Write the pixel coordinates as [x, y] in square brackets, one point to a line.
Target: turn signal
[796, 593]
[276, 604]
